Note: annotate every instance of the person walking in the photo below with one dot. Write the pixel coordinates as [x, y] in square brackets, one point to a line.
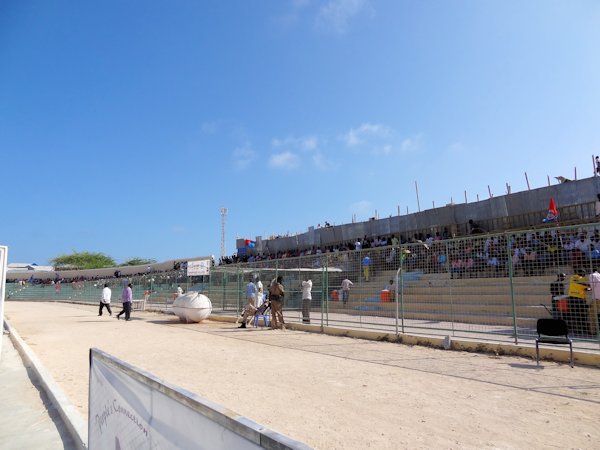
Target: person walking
[346, 284]
[306, 299]
[276, 294]
[250, 308]
[105, 300]
[126, 297]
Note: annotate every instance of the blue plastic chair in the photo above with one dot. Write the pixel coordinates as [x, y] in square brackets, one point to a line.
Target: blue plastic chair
[264, 317]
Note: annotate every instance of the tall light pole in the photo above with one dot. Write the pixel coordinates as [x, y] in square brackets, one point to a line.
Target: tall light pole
[223, 217]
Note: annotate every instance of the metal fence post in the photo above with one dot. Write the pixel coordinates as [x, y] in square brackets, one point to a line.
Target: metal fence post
[512, 287]
[449, 271]
[400, 287]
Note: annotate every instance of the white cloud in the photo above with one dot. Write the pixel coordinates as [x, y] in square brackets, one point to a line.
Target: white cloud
[411, 144]
[303, 143]
[285, 160]
[335, 14]
[379, 139]
[357, 136]
[243, 156]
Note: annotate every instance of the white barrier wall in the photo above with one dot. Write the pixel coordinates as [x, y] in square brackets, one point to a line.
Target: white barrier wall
[132, 409]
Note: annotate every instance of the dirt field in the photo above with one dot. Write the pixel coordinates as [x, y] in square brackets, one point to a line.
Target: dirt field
[330, 392]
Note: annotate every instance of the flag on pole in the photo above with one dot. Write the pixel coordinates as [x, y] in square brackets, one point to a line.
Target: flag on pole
[552, 212]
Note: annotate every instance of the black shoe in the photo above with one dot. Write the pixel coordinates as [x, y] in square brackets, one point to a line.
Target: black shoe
[118, 317]
[99, 314]
[127, 320]
[242, 325]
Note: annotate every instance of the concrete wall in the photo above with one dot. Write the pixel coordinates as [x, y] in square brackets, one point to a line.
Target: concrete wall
[572, 193]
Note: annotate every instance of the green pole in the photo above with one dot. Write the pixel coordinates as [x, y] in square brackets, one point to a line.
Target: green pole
[401, 286]
[512, 288]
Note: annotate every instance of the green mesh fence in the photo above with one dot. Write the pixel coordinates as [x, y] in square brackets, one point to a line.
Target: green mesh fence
[489, 287]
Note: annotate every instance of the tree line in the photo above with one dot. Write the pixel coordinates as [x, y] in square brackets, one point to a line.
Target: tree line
[90, 260]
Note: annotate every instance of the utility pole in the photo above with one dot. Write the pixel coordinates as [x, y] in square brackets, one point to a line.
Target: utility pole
[223, 217]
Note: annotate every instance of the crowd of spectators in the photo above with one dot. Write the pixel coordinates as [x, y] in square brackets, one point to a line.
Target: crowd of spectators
[528, 253]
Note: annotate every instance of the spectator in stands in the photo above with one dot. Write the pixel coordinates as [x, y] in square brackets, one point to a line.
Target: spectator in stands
[105, 300]
[126, 297]
[457, 267]
[529, 262]
[583, 244]
[366, 264]
[475, 228]
[276, 294]
[306, 298]
[358, 245]
[446, 233]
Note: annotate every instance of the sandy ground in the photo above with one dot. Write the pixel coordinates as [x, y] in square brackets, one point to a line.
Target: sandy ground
[330, 392]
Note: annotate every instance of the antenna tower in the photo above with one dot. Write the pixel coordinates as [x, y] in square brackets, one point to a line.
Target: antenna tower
[223, 217]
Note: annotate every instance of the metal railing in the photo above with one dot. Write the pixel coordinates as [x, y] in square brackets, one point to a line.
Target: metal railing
[490, 287]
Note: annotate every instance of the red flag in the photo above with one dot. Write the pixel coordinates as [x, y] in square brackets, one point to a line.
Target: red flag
[552, 212]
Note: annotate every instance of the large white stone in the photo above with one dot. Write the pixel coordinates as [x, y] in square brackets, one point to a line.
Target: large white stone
[192, 307]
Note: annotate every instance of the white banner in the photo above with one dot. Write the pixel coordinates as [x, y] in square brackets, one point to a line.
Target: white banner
[195, 268]
[131, 409]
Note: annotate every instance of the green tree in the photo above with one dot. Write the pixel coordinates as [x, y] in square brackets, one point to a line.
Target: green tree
[83, 260]
[138, 262]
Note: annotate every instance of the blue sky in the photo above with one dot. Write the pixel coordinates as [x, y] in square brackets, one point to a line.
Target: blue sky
[126, 125]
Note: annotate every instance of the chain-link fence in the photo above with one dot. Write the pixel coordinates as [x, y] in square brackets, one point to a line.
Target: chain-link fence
[491, 287]
[481, 286]
[158, 289]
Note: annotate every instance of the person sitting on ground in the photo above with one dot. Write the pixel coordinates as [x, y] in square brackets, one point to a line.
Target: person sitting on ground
[392, 288]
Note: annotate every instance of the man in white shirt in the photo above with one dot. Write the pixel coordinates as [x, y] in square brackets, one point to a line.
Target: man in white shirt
[346, 283]
[105, 299]
[306, 299]
[594, 301]
[259, 293]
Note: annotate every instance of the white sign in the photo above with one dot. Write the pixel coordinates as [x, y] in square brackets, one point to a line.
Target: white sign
[130, 409]
[195, 268]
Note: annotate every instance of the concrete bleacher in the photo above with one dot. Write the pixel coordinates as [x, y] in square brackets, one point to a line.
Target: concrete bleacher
[437, 297]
